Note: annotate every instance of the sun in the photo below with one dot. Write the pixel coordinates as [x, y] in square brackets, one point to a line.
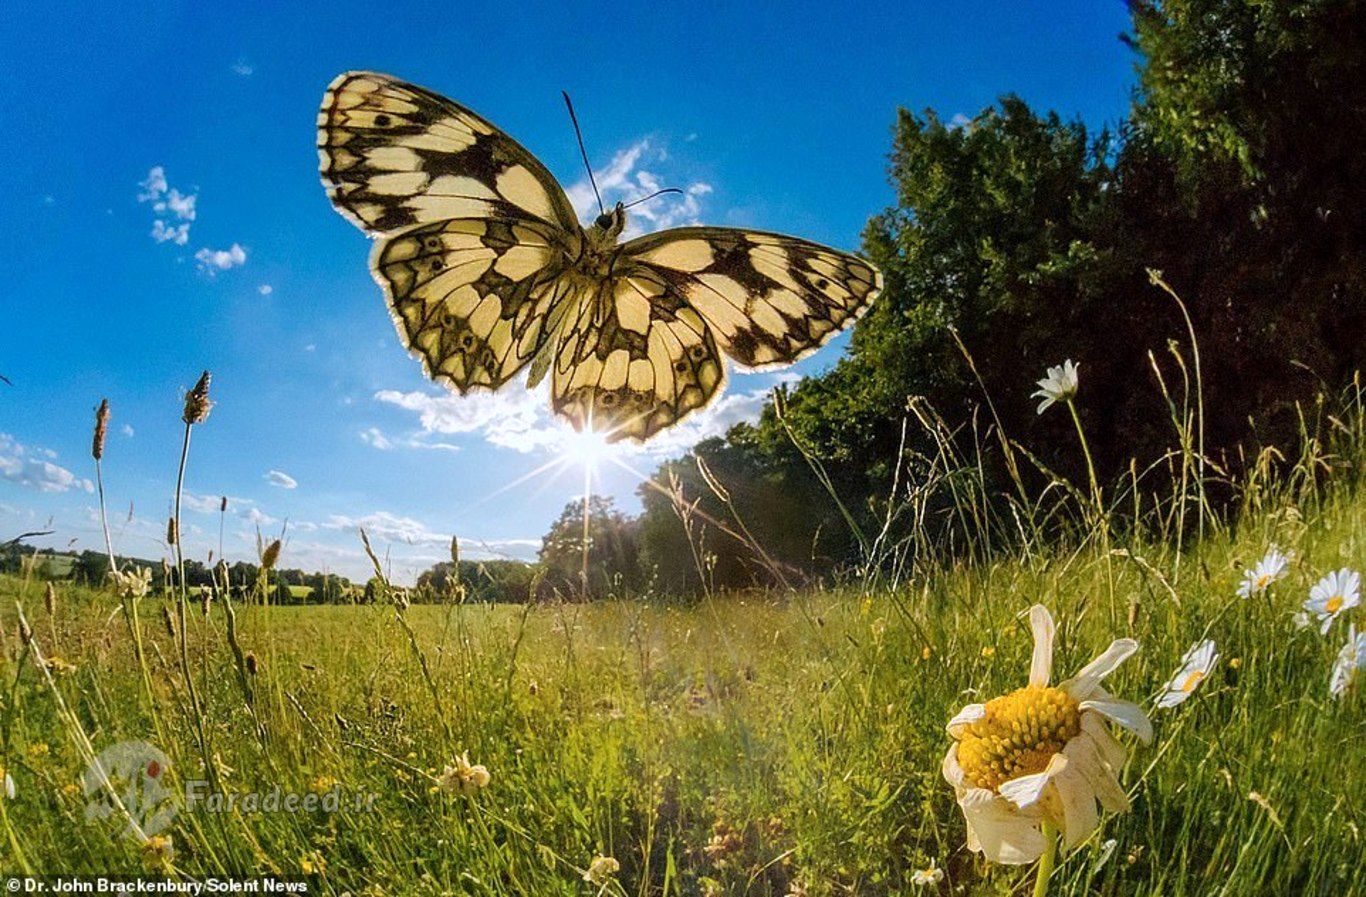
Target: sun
[587, 448]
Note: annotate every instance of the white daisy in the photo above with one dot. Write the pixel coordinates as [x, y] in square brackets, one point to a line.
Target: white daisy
[8, 783]
[1335, 593]
[1195, 666]
[1259, 578]
[1042, 753]
[1349, 662]
[932, 875]
[1059, 385]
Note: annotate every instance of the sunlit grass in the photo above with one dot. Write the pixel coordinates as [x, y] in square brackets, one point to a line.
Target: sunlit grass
[744, 745]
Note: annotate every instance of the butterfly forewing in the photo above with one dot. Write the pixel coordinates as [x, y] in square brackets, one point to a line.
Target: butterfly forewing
[771, 299]
[394, 155]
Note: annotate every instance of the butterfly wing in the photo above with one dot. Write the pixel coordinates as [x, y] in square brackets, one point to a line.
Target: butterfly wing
[394, 155]
[472, 298]
[770, 299]
[476, 231]
[633, 359]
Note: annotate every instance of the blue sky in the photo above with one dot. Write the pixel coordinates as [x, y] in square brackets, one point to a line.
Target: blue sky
[163, 214]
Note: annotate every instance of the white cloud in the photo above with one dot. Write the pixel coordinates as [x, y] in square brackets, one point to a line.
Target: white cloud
[512, 418]
[258, 517]
[243, 68]
[281, 479]
[212, 261]
[626, 178]
[17, 465]
[389, 527]
[265, 289]
[127, 430]
[154, 186]
[173, 209]
[178, 234]
[374, 437]
[520, 419]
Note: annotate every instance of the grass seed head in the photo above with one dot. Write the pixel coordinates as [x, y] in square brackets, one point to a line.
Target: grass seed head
[101, 430]
[172, 531]
[50, 600]
[270, 555]
[197, 404]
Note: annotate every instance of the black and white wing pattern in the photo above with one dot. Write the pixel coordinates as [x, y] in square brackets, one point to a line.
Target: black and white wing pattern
[486, 270]
[635, 361]
[394, 155]
[648, 351]
[475, 232]
[770, 299]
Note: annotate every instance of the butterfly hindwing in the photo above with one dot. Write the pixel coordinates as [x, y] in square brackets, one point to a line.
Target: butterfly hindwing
[471, 297]
[635, 359]
[771, 299]
[394, 155]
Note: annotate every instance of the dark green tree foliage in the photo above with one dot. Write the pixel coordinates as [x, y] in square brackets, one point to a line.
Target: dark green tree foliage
[499, 581]
[1239, 175]
[775, 497]
[613, 563]
[1243, 178]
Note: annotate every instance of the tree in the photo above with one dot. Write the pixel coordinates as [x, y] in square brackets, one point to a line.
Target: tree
[612, 564]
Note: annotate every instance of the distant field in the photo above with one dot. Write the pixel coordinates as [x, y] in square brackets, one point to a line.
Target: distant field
[740, 746]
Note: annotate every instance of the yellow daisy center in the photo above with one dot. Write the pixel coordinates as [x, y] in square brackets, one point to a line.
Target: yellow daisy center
[1018, 735]
[1192, 680]
[1263, 580]
[1334, 604]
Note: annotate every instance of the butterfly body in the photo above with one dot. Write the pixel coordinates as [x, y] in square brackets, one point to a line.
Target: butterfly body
[487, 271]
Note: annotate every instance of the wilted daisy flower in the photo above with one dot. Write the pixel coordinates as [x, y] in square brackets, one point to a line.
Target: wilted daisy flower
[601, 870]
[1332, 595]
[6, 783]
[463, 777]
[1060, 385]
[1258, 578]
[1042, 753]
[1195, 666]
[1349, 662]
[931, 875]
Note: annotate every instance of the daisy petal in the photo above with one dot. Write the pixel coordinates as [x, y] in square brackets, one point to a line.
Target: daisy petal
[1002, 833]
[1026, 790]
[1042, 664]
[965, 717]
[1079, 814]
[1084, 756]
[953, 773]
[1084, 683]
[1107, 748]
[1123, 713]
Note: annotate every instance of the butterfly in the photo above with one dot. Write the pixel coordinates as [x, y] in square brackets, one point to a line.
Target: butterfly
[487, 271]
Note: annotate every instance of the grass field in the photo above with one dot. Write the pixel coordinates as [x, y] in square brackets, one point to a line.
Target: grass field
[744, 745]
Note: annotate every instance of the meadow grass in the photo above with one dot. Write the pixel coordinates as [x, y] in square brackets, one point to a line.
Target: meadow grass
[749, 744]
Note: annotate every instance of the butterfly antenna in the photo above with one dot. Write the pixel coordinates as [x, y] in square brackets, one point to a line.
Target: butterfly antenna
[583, 152]
[637, 202]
